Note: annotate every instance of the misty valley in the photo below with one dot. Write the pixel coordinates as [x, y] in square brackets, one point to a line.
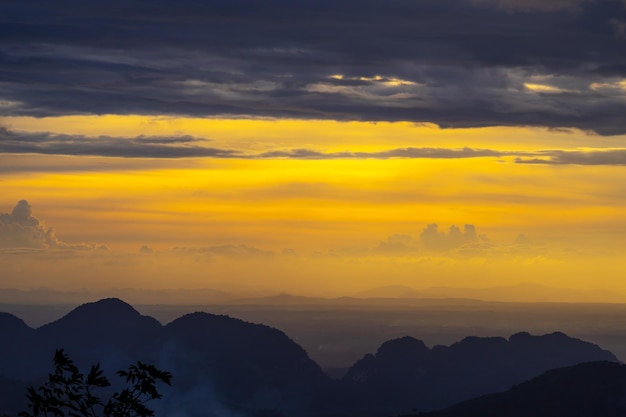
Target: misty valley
[227, 364]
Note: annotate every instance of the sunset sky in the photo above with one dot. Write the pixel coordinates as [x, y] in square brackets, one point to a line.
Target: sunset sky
[312, 147]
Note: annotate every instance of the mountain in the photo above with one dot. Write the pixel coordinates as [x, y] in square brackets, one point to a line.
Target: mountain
[220, 364]
[13, 327]
[226, 366]
[585, 390]
[527, 292]
[18, 341]
[248, 364]
[12, 395]
[108, 331]
[108, 322]
[524, 292]
[47, 296]
[390, 291]
[405, 373]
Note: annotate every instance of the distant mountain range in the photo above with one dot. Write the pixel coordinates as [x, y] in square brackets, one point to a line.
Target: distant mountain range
[136, 296]
[514, 293]
[525, 292]
[225, 366]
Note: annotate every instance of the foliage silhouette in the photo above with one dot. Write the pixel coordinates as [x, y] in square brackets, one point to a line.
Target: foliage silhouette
[69, 393]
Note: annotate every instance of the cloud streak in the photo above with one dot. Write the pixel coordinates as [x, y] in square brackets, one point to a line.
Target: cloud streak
[179, 147]
[589, 157]
[137, 147]
[225, 251]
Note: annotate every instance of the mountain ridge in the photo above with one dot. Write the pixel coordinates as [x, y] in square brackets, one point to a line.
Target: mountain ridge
[583, 390]
[432, 378]
[246, 367]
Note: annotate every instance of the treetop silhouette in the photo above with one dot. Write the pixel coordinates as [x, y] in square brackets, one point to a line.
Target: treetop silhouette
[69, 393]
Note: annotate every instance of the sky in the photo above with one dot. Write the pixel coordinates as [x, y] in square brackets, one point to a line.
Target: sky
[312, 147]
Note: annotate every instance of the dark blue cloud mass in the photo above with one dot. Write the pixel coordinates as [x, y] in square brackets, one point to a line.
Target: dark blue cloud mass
[558, 63]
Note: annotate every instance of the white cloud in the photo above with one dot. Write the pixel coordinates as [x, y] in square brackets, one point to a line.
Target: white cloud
[20, 229]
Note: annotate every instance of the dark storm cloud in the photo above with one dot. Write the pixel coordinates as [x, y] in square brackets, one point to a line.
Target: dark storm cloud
[536, 5]
[451, 62]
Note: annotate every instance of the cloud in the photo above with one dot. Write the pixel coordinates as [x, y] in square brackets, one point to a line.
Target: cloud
[619, 26]
[441, 241]
[437, 153]
[536, 5]
[136, 147]
[398, 245]
[179, 147]
[190, 147]
[226, 251]
[21, 230]
[593, 157]
[146, 250]
[453, 63]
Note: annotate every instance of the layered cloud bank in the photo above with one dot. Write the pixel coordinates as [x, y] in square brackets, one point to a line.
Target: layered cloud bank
[454, 62]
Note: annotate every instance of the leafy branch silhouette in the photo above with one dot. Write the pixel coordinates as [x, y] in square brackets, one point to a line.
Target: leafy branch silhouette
[69, 393]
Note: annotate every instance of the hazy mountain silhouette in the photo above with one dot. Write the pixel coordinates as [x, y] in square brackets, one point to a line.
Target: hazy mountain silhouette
[108, 322]
[219, 363]
[13, 326]
[523, 292]
[48, 296]
[225, 366]
[586, 390]
[250, 365]
[16, 339]
[390, 291]
[404, 372]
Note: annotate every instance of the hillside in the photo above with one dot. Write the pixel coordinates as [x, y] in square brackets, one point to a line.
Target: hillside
[223, 365]
[586, 390]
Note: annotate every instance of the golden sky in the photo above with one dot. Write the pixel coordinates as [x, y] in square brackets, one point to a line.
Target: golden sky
[315, 148]
[339, 220]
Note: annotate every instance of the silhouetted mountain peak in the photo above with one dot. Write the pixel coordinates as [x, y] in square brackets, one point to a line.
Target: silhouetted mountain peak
[246, 361]
[480, 345]
[557, 344]
[231, 336]
[105, 310]
[403, 348]
[110, 321]
[11, 325]
[107, 307]
[520, 337]
[201, 317]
